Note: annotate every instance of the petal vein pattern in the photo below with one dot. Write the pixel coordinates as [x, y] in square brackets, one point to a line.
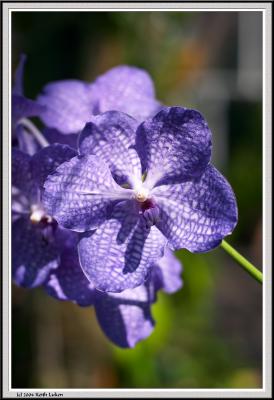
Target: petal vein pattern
[110, 136]
[196, 215]
[120, 253]
[81, 193]
[48, 159]
[174, 146]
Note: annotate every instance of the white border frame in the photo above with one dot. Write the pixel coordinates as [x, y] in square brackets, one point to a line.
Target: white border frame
[266, 10]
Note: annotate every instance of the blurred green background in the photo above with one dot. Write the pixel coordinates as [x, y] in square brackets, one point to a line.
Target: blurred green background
[209, 334]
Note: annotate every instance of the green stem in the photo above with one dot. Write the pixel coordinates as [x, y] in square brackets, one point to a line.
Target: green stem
[250, 268]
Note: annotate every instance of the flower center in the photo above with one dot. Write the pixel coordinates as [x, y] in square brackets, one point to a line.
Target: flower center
[38, 215]
[141, 194]
[150, 212]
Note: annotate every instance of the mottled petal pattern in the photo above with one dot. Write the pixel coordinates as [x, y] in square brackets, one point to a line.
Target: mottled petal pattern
[167, 273]
[33, 256]
[69, 105]
[198, 214]
[109, 136]
[127, 89]
[68, 281]
[174, 146]
[81, 192]
[45, 162]
[125, 317]
[120, 253]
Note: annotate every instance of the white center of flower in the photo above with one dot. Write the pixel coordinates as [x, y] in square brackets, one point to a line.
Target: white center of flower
[141, 194]
[37, 213]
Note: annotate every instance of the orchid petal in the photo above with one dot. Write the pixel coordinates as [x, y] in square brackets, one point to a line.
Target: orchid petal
[198, 214]
[33, 256]
[81, 193]
[121, 252]
[68, 281]
[167, 273]
[45, 162]
[126, 89]
[125, 317]
[69, 105]
[174, 146]
[110, 136]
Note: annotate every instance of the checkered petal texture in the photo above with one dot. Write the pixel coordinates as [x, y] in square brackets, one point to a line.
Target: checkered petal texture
[174, 146]
[120, 253]
[45, 162]
[110, 136]
[81, 193]
[198, 214]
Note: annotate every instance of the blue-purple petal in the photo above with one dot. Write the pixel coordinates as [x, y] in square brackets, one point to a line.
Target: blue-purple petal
[48, 159]
[33, 254]
[167, 273]
[52, 135]
[24, 188]
[69, 105]
[23, 108]
[21, 174]
[68, 281]
[110, 136]
[65, 238]
[125, 317]
[81, 193]
[198, 214]
[120, 253]
[174, 146]
[126, 89]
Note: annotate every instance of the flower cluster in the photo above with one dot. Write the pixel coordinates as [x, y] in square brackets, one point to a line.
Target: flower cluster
[103, 196]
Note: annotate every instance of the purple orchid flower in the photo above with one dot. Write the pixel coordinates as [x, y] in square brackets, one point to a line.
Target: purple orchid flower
[23, 108]
[135, 189]
[46, 254]
[124, 317]
[37, 241]
[70, 104]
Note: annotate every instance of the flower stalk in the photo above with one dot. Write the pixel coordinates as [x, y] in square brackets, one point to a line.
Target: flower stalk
[243, 262]
[34, 131]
